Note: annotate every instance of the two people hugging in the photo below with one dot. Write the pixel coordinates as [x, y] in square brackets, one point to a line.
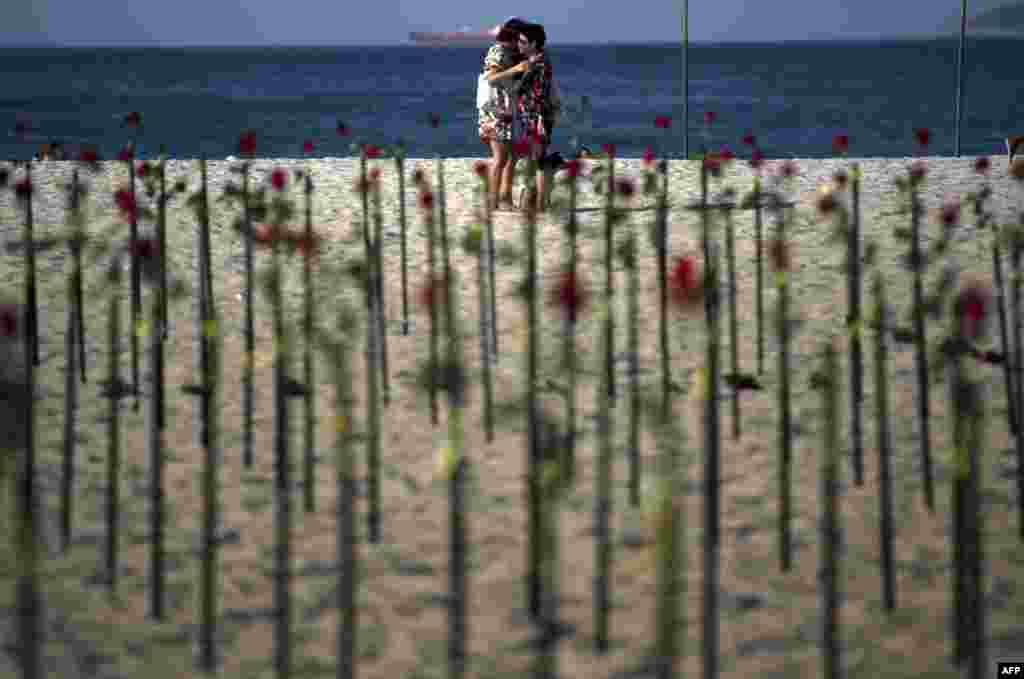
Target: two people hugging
[517, 101]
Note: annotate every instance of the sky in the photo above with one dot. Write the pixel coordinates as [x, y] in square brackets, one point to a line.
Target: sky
[354, 22]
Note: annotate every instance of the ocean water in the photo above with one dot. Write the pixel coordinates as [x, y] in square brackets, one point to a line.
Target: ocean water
[793, 96]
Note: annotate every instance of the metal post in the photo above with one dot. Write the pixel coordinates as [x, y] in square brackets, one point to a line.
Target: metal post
[686, 80]
[960, 76]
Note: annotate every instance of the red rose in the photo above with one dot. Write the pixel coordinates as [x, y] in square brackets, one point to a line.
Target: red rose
[307, 146]
[972, 307]
[247, 143]
[648, 156]
[748, 139]
[144, 248]
[572, 168]
[570, 294]
[125, 154]
[435, 120]
[686, 286]
[662, 122]
[922, 135]
[982, 165]
[125, 201]
[342, 129]
[88, 155]
[133, 119]
[840, 143]
[709, 117]
[8, 320]
[725, 154]
[756, 160]
[278, 178]
[918, 170]
[609, 149]
[778, 254]
[949, 214]
[625, 187]
[371, 151]
[432, 292]
[426, 200]
[713, 164]
[23, 189]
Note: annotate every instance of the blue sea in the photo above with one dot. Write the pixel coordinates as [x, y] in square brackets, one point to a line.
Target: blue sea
[793, 96]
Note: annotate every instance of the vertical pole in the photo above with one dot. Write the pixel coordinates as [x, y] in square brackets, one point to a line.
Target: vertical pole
[686, 80]
[960, 77]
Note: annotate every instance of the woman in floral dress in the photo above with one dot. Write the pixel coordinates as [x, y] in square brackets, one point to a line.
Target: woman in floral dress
[497, 116]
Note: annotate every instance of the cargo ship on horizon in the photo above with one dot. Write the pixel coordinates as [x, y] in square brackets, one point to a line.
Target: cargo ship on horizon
[464, 37]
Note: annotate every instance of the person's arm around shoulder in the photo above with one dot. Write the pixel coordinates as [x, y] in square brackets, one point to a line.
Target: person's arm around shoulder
[494, 74]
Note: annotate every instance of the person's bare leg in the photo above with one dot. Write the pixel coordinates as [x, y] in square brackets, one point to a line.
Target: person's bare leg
[544, 188]
[498, 160]
[507, 178]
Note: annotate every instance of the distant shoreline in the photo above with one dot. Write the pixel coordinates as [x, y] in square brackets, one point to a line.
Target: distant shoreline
[973, 34]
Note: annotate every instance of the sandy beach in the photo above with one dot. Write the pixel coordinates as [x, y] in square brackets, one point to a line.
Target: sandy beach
[768, 618]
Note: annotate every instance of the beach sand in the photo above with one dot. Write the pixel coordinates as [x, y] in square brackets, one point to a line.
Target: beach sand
[768, 618]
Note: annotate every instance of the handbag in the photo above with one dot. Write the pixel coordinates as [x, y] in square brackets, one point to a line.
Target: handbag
[484, 91]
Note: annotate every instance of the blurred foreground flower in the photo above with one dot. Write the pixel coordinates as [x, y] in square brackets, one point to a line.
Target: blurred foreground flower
[432, 292]
[686, 285]
[648, 156]
[971, 309]
[918, 170]
[949, 214]
[779, 255]
[125, 203]
[756, 160]
[625, 187]
[278, 178]
[247, 143]
[14, 398]
[840, 143]
[570, 294]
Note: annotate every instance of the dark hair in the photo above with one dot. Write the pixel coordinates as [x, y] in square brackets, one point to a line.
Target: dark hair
[535, 34]
[515, 24]
[506, 34]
